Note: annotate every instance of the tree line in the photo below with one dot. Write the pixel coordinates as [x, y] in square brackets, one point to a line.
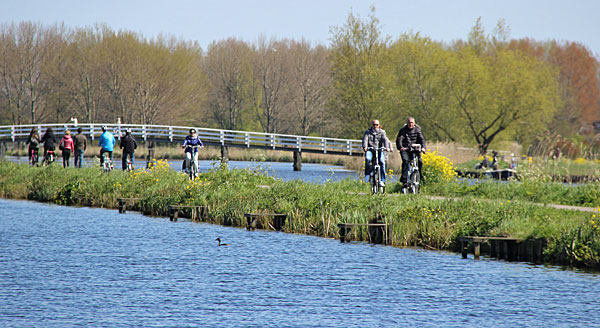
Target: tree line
[475, 91]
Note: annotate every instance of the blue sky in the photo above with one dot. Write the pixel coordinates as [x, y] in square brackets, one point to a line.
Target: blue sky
[207, 21]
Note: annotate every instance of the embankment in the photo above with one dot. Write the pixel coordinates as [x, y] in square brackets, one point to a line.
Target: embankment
[573, 237]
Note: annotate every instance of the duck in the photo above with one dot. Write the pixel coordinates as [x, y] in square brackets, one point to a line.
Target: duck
[221, 244]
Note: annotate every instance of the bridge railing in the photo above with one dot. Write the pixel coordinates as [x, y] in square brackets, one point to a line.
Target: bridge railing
[165, 133]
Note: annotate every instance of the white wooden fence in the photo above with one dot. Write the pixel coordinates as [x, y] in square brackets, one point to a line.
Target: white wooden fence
[165, 133]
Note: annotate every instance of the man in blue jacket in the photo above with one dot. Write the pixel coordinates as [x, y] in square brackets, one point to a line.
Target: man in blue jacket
[107, 144]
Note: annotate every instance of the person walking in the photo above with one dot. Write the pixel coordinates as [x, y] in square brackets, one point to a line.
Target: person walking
[80, 146]
[129, 145]
[66, 146]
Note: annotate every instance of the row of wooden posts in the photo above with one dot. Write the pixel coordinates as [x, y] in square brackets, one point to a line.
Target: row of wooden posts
[511, 249]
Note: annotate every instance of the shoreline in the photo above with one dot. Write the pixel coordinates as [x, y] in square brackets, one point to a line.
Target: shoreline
[313, 209]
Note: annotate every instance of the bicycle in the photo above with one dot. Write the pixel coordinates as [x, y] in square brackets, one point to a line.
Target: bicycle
[48, 158]
[375, 176]
[33, 157]
[413, 183]
[192, 167]
[129, 165]
[106, 163]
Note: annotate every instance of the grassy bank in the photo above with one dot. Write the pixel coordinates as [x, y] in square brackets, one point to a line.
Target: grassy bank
[573, 237]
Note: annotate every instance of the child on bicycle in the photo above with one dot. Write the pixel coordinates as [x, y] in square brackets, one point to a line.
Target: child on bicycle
[34, 145]
[375, 137]
[49, 141]
[191, 143]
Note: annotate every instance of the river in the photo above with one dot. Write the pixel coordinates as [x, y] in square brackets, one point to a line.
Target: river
[315, 173]
[73, 266]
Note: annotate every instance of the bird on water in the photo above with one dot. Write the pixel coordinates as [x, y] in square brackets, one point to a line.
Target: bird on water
[221, 244]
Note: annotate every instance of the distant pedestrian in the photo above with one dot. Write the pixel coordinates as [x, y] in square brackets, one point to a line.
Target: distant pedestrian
[80, 146]
[129, 145]
[66, 146]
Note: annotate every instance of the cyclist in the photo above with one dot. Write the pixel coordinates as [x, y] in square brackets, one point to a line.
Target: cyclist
[375, 137]
[408, 135]
[192, 140]
[49, 142]
[34, 145]
[129, 145]
[107, 143]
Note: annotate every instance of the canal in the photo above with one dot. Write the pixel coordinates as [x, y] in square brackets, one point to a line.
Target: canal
[68, 266]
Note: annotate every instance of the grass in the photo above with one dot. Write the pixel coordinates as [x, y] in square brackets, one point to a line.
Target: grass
[573, 237]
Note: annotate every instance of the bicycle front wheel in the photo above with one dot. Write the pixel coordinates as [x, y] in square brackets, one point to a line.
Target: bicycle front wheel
[415, 183]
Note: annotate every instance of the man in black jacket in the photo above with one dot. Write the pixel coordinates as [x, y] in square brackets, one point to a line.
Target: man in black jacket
[128, 144]
[408, 135]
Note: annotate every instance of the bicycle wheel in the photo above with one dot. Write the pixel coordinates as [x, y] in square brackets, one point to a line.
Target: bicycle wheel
[376, 181]
[415, 182]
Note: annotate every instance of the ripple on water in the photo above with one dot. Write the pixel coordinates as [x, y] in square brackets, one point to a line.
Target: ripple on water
[67, 266]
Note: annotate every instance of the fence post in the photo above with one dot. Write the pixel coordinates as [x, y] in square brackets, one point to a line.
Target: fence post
[247, 139]
[171, 133]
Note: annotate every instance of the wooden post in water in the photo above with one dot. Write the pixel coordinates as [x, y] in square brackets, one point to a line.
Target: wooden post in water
[476, 249]
[224, 154]
[297, 160]
[150, 153]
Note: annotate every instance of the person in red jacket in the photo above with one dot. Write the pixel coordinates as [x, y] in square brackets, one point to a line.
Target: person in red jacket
[67, 146]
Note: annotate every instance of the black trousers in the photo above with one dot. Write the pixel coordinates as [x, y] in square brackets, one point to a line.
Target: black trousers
[406, 158]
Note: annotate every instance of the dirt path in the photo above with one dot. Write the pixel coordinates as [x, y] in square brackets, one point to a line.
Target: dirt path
[557, 206]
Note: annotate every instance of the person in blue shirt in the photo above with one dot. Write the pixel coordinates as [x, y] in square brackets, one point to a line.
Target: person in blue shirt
[191, 144]
[107, 144]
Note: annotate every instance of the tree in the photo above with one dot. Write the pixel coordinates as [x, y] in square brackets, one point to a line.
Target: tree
[309, 85]
[510, 93]
[271, 77]
[361, 82]
[26, 49]
[419, 65]
[229, 73]
[80, 75]
[579, 86]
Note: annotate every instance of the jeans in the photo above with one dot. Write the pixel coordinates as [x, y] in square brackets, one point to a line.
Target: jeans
[110, 155]
[189, 157]
[406, 158]
[369, 160]
[78, 157]
[124, 160]
[66, 155]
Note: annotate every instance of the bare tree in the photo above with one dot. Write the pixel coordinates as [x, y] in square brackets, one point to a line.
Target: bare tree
[270, 83]
[25, 51]
[229, 73]
[309, 85]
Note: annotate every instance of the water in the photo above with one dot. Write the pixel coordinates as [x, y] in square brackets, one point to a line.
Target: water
[315, 173]
[67, 266]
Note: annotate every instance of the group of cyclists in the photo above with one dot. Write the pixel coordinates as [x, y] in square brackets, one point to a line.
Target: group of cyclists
[77, 145]
[375, 143]
[376, 140]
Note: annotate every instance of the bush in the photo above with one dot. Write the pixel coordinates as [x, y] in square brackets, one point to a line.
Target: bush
[437, 168]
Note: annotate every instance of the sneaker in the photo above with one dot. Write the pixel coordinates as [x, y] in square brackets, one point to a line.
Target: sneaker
[382, 184]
